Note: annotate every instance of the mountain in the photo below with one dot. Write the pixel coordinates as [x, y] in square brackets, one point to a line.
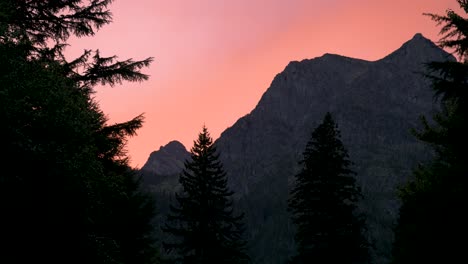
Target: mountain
[169, 159]
[375, 103]
[163, 166]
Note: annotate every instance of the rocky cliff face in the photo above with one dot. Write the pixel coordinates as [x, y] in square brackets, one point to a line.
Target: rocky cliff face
[375, 105]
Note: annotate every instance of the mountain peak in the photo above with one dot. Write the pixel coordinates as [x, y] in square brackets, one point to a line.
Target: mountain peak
[419, 40]
[416, 50]
[418, 36]
[173, 146]
[169, 159]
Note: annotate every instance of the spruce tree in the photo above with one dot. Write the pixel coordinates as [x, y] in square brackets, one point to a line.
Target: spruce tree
[323, 202]
[202, 223]
[67, 194]
[432, 221]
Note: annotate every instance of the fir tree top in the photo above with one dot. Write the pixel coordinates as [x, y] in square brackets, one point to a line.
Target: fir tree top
[323, 202]
[203, 224]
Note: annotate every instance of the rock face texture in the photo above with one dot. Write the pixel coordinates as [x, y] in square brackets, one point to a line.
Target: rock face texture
[375, 103]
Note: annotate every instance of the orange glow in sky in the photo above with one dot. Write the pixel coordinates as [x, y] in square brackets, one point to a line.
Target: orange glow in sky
[214, 59]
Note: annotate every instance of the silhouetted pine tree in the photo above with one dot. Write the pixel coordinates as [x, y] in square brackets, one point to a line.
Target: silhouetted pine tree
[67, 194]
[432, 222]
[323, 202]
[203, 224]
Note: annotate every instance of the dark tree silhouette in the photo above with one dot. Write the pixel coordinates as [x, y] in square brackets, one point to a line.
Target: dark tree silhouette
[47, 25]
[432, 221]
[323, 202]
[203, 224]
[67, 193]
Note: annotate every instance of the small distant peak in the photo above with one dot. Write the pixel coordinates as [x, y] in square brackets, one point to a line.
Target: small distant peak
[418, 36]
[168, 160]
[417, 50]
[173, 145]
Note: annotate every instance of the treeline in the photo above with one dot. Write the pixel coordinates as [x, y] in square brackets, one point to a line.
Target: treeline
[68, 194]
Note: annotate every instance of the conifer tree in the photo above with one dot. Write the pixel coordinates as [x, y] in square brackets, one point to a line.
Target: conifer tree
[202, 223]
[432, 221]
[67, 194]
[323, 202]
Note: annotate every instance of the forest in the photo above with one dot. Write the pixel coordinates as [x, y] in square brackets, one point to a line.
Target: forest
[69, 195]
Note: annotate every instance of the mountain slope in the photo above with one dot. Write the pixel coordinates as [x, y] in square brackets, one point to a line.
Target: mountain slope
[375, 105]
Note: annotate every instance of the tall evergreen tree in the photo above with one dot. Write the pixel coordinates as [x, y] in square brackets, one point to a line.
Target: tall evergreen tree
[67, 193]
[323, 202]
[203, 224]
[432, 221]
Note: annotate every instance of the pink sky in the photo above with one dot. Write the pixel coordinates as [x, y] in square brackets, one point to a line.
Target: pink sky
[214, 59]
